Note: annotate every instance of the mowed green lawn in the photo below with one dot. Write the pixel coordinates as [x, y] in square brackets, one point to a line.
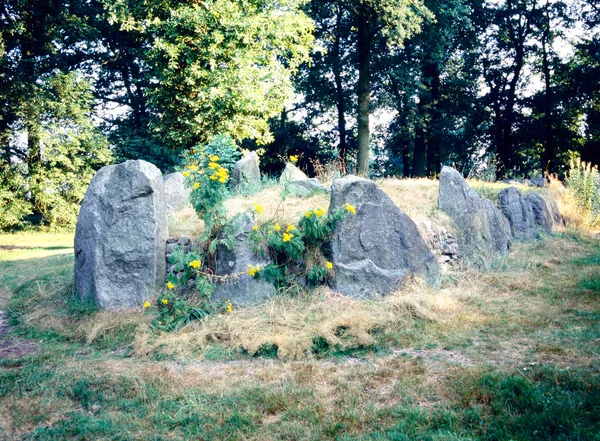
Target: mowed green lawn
[507, 355]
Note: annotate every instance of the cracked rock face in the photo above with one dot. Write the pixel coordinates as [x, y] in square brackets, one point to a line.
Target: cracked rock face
[483, 232]
[380, 247]
[240, 287]
[121, 235]
[541, 212]
[519, 213]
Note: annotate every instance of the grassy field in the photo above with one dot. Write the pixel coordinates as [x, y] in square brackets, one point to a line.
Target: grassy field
[511, 354]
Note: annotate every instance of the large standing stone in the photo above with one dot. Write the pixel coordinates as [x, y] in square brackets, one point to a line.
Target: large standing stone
[121, 235]
[292, 173]
[519, 213]
[177, 195]
[482, 230]
[240, 287]
[377, 249]
[246, 171]
[541, 211]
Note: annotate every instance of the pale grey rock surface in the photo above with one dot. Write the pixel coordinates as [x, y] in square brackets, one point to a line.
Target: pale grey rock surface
[246, 171]
[380, 247]
[541, 212]
[306, 187]
[121, 235]
[292, 173]
[243, 289]
[482, 230]
[177, 194]
[519, 213]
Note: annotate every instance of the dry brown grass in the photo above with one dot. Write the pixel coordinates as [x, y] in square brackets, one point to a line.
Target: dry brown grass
[293, 324]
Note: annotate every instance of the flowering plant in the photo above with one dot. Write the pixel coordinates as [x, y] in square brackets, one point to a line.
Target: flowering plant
[207, 172]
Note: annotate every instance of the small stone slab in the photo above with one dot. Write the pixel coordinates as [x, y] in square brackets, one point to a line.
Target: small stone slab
[246, 171]
[306, 187]
[243, 290]
[177, 194]
[292, 173]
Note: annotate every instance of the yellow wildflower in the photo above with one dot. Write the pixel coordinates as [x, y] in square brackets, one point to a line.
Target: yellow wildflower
[258, 208]
[214, 177]
[165, 301]
[255, 227]
[277, 227]
[170, 285]
[294, 159]
[350, 208]
[196, 184]
[229, 306]
[290, 228]
[195, 264]
[147, 304]
[319, 212]
[222, 179]
[193, 167]
[213, 165]
[329, 265]
[251, 270]
[287, 237]
[214, 158]
[257, 268]
[308, 214]
[186, 174]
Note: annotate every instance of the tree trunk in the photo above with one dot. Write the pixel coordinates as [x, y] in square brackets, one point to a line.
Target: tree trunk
[340, 101]
[433, 135]
[420, 153]
[548, 163]
[364, 88]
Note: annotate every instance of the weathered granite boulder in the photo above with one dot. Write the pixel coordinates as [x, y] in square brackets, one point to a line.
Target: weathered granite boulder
[292, 173]
[519, 213]
[305, 187]
[121, 235]
[482, 230]
[541, 212]
[246, 171]
[555, 212]
[379, 247]
[177, 195]
[241, 288]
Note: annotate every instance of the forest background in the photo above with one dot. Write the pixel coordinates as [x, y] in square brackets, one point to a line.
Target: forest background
[499, 89]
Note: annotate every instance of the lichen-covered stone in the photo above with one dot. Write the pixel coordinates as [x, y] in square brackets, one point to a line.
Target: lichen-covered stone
[292, 173]
[379, 247]
[121, 235]
[482, 230]
[519, 213]
[177, 194]
[246, 171]
[240, 287]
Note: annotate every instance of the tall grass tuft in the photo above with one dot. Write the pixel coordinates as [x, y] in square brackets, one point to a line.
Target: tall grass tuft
[583, 192]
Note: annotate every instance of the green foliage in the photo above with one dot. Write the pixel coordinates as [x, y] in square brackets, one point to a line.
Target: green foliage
[13, 196]
[297, 252]
[208, 168]
[221, 67]
[175, 312]
[582, 183]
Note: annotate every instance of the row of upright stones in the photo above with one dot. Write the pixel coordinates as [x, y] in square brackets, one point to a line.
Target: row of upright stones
[121, 236]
